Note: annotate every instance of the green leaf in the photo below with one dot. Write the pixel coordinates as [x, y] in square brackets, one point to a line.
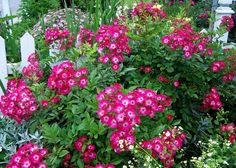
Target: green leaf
[157, 130]
[117, 161]
[176, 122]
[127, 70]
[51, 133]
[63, 153]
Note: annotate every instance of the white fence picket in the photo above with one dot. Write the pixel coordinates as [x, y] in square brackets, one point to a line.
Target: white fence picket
[3, 64]
[27, 47]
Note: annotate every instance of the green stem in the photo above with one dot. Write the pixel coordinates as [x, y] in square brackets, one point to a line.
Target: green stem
[2, 87]
[156, 162]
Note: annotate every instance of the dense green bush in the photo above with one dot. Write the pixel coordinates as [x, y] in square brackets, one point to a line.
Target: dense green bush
[31, 10]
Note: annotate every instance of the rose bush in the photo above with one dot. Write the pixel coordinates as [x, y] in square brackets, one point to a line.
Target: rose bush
[141, 92]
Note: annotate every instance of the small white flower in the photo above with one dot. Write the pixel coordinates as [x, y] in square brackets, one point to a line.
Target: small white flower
[0, 149]
[226, 163]
[124, 166]
[209, 154]
[121, 141]
[206, 166]
[131, 147]
[148, 158]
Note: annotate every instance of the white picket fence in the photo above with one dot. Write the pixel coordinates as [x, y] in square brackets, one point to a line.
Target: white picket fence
[27, 47]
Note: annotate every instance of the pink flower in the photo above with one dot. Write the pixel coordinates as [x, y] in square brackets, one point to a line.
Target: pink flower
[165, 40]
[44, 103]
[55, 99]
[169, 117]
[176, 84]
[209, 51]
[115, 67]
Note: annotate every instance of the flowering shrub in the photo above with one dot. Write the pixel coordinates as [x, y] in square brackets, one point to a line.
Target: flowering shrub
[108, 104]
[28, 155]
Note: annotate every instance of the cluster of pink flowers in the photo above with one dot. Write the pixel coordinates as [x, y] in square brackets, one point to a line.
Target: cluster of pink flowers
[186, 39]
[228, 77]
[89, 153]
[122, 140]
[112, 44]
[231, 130]
[166, 146]
[28, 156]
[121, 112]
[227, 22]
[33, 71]
[218, 65]
[85, 36]
[212, 100]
[148, 9]
[19, 102]
[145, 69]
[99, 165]
[62, 38]
[64, 77]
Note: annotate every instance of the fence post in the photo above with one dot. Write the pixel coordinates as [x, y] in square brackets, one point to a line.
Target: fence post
[3, 64]
[27, 47]
[6, 8]
[223, 10]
